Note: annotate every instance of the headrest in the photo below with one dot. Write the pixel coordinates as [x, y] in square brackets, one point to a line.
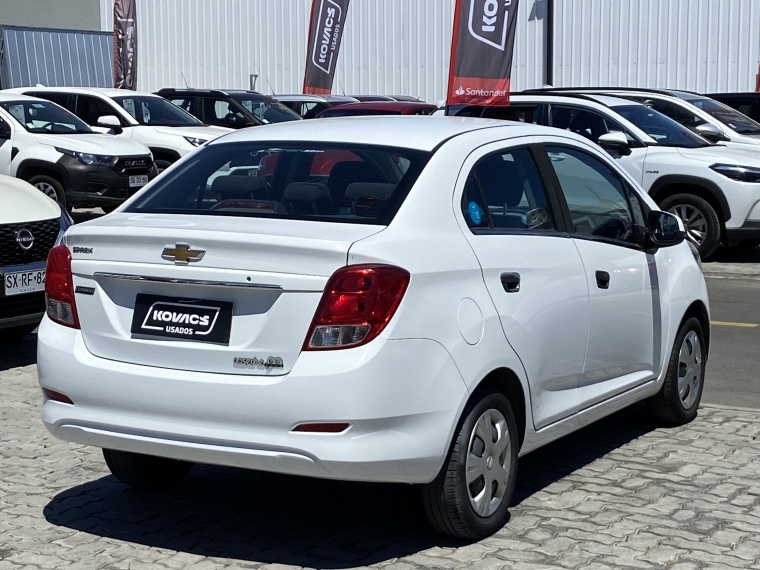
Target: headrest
[238, 185]
[306, 192]
[375, 190]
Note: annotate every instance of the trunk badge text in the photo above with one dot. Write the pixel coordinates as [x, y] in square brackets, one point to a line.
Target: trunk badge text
[181, 254]
[271, 362]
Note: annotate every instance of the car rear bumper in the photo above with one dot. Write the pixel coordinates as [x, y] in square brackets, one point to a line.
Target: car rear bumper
[401, 398]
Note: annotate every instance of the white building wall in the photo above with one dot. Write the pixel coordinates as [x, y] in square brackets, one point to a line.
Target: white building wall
[697, 45]
[389, 46]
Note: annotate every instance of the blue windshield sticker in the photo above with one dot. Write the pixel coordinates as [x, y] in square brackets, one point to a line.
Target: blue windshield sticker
[476, 214]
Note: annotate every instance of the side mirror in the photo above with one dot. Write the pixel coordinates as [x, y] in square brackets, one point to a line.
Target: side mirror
[110, 122]
[615, 142]
[5, 132]
[712, 133]
[665, 229]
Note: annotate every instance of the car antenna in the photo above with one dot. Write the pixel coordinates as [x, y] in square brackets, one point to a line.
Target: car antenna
[270, 88]
[182, 73]
[341, 88]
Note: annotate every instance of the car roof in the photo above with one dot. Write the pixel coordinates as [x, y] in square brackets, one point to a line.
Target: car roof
[6, 96]
[747, 94]
[104, 91]
[195, 91]
[316, 98]
[395, 106]
[413, 132]
[559, 97]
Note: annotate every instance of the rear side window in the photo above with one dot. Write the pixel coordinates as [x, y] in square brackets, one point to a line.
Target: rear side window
[359, 184]
[504, 191]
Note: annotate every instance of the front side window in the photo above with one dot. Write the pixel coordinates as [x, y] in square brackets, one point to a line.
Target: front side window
[584, 122]
[678, 112]
[728, 116]
[266, 109]
[595, 196]
[156, 112]
[90, 109]
[45, 117]
[221, 112]
[504, 191]
[664, 130]
[360, 184]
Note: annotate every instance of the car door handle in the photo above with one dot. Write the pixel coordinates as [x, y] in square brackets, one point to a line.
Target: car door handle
[510, 282]
[602, 279]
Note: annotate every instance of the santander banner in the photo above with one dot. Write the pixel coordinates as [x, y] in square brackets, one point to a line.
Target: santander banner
[125, 44]
[481, 52]
[328, 18]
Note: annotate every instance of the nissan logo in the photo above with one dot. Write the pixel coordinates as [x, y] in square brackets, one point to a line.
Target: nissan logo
[24, 239]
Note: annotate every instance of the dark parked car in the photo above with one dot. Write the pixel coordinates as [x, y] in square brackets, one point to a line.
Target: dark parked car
[235, 109]
[379, 98]
[747, 103]
[309, 106]
[384, 108]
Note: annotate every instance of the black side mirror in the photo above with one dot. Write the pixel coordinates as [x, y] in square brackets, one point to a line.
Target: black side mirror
[615, 142]
[665, 229]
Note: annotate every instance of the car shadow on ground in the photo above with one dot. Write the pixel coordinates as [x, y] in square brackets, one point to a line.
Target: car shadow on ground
[21, 352]
[735, 255]
[268, 518]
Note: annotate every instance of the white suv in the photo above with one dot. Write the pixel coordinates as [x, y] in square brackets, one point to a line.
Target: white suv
[399, 299]
[715, 189]
[168, 131]
[60, 155]
[30, 225]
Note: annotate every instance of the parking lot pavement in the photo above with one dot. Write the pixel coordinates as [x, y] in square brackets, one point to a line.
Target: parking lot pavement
[622, 493]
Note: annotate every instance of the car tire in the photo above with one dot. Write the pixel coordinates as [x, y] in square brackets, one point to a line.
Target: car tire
[451, 503]
[51, 187]
[703, 226]
[15, 334]
[162, 165]
[677, 401]
[108, 209]
[146, 471]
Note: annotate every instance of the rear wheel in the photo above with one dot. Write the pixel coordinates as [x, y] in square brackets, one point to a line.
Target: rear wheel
[162, 165]
[677, 401]
[470, 497]
[702, 222]
[146, 471]
[49, 186]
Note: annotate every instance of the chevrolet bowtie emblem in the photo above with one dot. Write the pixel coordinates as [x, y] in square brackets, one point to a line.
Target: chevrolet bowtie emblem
[181, 254]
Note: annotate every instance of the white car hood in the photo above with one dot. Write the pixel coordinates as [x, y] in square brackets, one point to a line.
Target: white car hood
[23, 203]
[723, 155]
[204, 133]
[107, 145]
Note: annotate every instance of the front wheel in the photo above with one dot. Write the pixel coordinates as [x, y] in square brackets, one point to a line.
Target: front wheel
[700, 219]
[470, 496]
[146, 471]
[50, 187]
[677, 401]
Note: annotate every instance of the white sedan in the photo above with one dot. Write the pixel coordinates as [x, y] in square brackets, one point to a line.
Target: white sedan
[375, 299]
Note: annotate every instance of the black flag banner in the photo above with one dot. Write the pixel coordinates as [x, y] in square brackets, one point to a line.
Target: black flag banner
[481, 52]
[328, 18]
[125, 44]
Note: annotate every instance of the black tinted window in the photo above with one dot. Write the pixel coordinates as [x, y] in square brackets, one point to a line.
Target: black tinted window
[90, 109]
[509, 186]
[309, 181]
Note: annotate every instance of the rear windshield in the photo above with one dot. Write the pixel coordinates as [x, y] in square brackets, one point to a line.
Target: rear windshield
[357, 184]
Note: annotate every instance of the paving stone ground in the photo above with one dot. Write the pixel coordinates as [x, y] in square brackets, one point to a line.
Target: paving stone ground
[622, 493]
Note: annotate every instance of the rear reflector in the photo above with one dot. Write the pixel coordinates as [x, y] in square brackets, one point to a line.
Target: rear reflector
[321, 428]
[57, 396]
[358, 302]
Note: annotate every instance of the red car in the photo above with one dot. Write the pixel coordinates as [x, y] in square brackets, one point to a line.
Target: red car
[378, 108]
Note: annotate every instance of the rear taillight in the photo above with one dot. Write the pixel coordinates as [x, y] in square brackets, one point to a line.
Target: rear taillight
[59, 288]
[357, 304]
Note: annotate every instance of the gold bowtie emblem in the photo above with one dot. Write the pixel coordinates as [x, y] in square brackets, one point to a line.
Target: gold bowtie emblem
[181, 254]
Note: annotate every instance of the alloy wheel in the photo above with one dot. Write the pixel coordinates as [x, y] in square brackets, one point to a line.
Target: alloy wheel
[694, 221]
[689, 370]
[488, 463]
[47, 190]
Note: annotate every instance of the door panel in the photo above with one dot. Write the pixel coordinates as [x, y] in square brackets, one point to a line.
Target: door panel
[534, 275]
[6, 144]
[624, 306]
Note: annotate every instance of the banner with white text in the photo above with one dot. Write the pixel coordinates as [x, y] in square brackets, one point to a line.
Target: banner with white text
[481, 52]
[328, 18]
[125, 44]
